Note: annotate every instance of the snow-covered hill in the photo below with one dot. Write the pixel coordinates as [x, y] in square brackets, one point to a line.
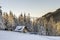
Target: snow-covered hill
[8, 35]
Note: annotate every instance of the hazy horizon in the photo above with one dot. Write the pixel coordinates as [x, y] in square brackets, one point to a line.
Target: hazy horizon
[36, 8]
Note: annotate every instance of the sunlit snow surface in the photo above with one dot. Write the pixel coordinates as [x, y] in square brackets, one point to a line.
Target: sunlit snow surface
[8, 35]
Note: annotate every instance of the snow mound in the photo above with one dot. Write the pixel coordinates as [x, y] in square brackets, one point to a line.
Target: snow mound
[8, 35]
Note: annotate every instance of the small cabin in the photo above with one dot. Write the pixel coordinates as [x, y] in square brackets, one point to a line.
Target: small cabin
[21, 29]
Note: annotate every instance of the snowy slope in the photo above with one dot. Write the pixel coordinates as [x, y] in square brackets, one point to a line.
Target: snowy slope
[8, 35]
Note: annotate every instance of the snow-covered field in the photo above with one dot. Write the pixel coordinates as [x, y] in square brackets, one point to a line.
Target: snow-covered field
[8, 35]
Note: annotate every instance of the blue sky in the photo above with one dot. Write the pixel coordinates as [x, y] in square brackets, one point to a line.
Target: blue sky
[36, 8]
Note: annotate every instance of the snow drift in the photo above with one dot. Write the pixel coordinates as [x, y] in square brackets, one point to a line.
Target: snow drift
[8, 35]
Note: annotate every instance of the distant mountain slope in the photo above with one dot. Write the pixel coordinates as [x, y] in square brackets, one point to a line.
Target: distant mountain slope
[55, 14]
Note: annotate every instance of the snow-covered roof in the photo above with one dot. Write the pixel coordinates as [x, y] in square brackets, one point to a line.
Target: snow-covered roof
[19, 28]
